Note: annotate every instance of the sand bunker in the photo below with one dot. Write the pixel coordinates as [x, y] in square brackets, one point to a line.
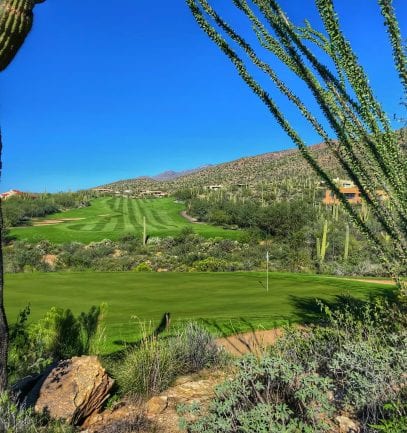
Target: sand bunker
[54, 222]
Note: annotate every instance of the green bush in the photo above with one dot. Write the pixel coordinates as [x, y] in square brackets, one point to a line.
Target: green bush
[153, 365]
[59, 335]
[211, 264]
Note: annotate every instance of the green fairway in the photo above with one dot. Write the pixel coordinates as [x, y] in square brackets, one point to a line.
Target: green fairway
[111, 217]
[220, 298]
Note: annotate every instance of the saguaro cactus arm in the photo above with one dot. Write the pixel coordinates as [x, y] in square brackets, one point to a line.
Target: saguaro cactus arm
[16, 18]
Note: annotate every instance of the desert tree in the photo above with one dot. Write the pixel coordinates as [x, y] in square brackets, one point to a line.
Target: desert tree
[16, 18]
[365, 144]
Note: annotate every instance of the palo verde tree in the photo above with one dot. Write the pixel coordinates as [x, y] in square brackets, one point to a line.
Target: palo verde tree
[16, 18]
[366, 146]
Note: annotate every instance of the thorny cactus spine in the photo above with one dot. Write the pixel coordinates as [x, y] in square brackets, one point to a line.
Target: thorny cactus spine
[16, 18]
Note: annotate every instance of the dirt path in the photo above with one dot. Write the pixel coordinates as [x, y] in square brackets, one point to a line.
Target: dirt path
[189, 218]
[250, 342]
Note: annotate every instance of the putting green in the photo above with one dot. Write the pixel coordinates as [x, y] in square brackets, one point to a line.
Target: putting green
[112, 217]
[229, 300]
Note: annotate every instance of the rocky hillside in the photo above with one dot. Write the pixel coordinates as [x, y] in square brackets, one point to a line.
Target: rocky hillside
[266, 168]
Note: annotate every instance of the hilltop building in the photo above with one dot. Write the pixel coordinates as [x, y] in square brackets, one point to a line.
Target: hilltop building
[157, 194]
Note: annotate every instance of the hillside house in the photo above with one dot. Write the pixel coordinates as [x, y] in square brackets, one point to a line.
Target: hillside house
[214, 187]
[351, 193]
[11, 193]
[103, 190]
[344, 183]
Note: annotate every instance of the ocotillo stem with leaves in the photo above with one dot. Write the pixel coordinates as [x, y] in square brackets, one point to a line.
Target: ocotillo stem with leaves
[366, 147]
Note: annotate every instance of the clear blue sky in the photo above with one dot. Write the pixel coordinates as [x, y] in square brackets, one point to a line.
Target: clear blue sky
[106, 90]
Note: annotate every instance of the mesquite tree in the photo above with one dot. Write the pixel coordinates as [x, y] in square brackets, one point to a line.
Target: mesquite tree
[16, 18]
[366, 146]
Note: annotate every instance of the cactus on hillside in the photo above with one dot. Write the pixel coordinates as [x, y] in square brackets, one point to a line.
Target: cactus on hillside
[346, 249]
[16, 18]
[322, 244]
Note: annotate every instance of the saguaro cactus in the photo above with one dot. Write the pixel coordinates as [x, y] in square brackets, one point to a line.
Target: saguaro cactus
[346, 247]
[16, 18]
[322, 244]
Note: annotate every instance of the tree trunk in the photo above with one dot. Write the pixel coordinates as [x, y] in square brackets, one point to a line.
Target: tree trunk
[3, 318]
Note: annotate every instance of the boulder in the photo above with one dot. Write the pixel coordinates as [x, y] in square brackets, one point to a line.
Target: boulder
[74, 389]
[347, 425]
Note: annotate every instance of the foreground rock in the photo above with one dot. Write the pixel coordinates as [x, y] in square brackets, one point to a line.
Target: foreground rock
[159, 414]
[74, 390]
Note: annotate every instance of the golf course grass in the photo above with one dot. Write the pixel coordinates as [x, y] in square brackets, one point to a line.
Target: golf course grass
[232, 301]
[112, 217]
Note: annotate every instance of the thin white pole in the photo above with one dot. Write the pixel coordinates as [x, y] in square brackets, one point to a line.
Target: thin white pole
[267, 273]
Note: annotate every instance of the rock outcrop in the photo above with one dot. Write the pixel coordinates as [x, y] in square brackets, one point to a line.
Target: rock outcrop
[74, 390]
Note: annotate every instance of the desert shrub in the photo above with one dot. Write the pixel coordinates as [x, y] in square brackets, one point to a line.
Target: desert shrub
[19, 420]
[13, 420]
[23, 256]
[210, 264]
[137, 423]
[362, 349]
[394, 420]
[143, 267]
[196, 348]
[269, 395]
[355, 362]
[113, 264]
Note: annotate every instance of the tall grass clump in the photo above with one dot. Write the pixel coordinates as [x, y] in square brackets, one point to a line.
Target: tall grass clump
[152, 366]
[147, 369]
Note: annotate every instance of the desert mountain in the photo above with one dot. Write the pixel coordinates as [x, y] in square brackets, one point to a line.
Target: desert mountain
[265, 168]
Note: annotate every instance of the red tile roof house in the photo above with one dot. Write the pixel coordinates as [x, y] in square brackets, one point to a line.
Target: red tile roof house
[11, 193]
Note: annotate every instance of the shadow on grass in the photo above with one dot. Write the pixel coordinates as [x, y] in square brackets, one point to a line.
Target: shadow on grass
[309, 310]
[161, 328]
